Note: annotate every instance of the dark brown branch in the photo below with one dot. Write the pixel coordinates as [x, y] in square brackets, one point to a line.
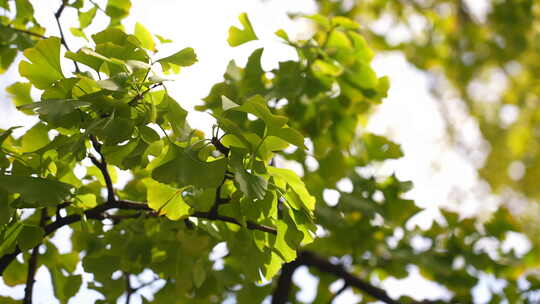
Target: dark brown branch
[283, 288]
[249, 224]
[98, 213]
[129, 289]
[32, 264]
[311, 259]
[102, 166]
[219, 146]
[146, 284]
[219, 201]
[57, 16]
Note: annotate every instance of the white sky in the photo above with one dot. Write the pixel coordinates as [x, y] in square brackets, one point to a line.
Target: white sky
[409, 115]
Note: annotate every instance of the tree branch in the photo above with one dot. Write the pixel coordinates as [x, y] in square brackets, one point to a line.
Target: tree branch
[57, 15]
[129, 289]
[219, 201]
[102, 166]
[32, 264]
[98, 213]
[311, 259]
[284, 283]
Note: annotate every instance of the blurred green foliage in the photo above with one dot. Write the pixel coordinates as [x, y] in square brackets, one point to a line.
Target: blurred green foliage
[189, 193]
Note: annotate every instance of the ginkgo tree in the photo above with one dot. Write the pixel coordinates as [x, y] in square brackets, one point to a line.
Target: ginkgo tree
[189, 193]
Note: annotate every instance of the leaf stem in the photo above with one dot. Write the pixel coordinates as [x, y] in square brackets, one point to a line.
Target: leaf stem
[27, 32]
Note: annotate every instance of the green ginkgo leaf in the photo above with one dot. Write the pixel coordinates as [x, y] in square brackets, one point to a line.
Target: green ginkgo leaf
[182, 167]
[240, 36]
[253, 186]
[44, 66]
[166, 200]
[30, 237]
[43, 192]
[145, 37]
[184, 57]
[288, 177]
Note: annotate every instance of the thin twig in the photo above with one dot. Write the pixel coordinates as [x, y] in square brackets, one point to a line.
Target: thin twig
[27, 32]
[146, 284]
[337, 293]
[96, 5]
[129, 289]
[141, 95]
[57, 16]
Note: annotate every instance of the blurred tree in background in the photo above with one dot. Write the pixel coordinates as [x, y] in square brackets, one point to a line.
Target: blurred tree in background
[484, 55]
[192, 196]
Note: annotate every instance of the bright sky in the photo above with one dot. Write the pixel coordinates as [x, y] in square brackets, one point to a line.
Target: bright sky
[409, 115]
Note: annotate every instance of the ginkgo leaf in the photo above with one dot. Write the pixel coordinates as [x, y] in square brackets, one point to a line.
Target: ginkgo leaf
[41, 191]
[86, 18]
[166, 200]
[287, 240]
[55, 109]
[182, 167]
[185, 57]
[257, 106]
[145, 37]
[288, 134]
[9, 237]
[20, 92]
[293, 180]
[240, 36]
[90, 58]
[30, 237]
[253, 186]
[176, 116]
[272, 265]
[44, 66]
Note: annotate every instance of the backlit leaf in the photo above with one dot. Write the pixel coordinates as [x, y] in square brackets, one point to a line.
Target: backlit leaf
[44, 66]
[240, 36]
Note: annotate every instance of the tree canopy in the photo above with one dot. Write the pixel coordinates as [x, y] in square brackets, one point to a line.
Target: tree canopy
[191, 194]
